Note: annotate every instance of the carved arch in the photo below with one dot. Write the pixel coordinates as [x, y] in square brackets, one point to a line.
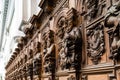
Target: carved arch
[59, 15]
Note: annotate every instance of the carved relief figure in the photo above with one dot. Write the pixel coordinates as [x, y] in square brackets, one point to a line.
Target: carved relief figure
[72, 41]
[49, 57]
[62, 23]
[113, 21]
[95, 39]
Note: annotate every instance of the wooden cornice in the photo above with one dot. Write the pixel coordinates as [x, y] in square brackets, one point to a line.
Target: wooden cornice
[17, 50]
[33, 19]
[41, 3]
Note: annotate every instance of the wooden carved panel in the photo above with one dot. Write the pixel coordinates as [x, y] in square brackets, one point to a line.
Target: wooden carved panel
[95, 42]
[92, 9]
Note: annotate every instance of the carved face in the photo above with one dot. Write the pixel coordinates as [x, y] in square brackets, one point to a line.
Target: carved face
[70, 25]
[61, 25]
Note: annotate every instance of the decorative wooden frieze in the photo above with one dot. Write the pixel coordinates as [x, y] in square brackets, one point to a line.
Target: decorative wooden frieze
[95, 42]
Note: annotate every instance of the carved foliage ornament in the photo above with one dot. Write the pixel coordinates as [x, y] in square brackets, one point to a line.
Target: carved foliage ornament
[95, 38]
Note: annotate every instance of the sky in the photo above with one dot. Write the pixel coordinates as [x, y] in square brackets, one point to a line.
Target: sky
[2, 70]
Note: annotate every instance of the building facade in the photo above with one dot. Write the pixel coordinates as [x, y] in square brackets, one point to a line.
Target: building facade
[69, 40]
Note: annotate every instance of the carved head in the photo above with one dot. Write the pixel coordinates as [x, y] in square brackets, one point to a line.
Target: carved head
[50, 38]
[62, 23]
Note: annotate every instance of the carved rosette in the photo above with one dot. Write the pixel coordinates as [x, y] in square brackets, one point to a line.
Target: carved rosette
[95, 42]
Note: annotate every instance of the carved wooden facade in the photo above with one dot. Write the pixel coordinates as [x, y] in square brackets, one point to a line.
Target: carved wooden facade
[69, 42]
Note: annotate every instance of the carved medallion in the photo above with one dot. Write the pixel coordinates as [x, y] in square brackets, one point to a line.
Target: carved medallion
[95, 45]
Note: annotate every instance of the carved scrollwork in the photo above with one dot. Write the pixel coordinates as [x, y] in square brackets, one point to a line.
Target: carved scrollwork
[95, 38]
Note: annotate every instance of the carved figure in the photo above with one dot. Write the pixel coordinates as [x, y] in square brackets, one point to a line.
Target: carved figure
[62, 23]
[113, 21]
[73, 42]
[49, 57]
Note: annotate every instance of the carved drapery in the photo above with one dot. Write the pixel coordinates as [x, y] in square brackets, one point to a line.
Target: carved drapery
[95, 45]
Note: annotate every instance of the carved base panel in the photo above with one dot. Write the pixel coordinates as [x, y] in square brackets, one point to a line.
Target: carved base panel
[35, 78]
[118, 74]
[46, 79]
[98, 77]
[62, 78]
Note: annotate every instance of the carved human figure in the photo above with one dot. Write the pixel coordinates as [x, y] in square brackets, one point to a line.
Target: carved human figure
[73, 42]
[62, 59]
[49, 57]
[62, 23]
[113, 21]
